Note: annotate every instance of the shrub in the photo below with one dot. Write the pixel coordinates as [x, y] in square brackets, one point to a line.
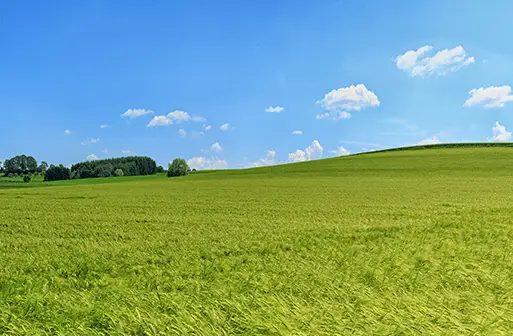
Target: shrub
[26, 178]
[119, 172]
[178, 167]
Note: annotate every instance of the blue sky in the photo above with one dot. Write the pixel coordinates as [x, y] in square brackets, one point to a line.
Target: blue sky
[403, 71]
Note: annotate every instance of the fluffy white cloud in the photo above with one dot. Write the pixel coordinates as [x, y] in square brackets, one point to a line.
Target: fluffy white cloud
[207, 127]
[268, 160]
[126, 152]
[201, 162]
[297, 132]
[312, 152]
[67, 132]
[297, 156]
[160, 121]
[334, 115]
[417, 63]
[340, 151]
[104, 126]
[274, 109]
[225, 127]
[351, 98]
[92, 157]
[182, 132]
[500, 133]
[490, 97]
[216, 147]
[134, 113]
[429, 141]
[179, 116]
[92, 140]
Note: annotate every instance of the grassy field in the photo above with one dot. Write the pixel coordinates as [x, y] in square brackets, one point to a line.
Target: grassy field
[405, 242]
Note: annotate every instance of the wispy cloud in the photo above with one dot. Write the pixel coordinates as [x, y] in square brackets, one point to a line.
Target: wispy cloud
[135, 113]
[90, 141]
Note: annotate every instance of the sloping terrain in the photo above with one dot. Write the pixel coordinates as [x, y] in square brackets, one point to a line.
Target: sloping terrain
[398, 242]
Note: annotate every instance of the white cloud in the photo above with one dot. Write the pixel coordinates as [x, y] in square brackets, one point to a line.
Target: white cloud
[297, 156]
[312, 152]
[92, 157]
[216, 147]
[182, 132]
[179, 116]
[126, 152]
[274, 109]
[92, 140]
[176, 116]
[160, 121]
[67, 132]
[105, 150]
[500, 133]
[493, 96]
[104, 126]
[334, 115]
[429, 141]
[448, 60]
[225, 127]
[207, 127]
[351, 98]
[134, 113]
[297, 132]
[197, 134]
[341, 151]
[201, 162]
[268, 160]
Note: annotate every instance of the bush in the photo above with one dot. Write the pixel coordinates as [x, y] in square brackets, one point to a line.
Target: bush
[119, 172]
[178, 167]
[26, 178]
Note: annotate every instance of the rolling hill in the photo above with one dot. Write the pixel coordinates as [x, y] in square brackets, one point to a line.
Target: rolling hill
[394, 242]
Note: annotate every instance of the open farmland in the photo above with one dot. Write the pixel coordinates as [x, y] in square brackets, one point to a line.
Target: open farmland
[404, 242]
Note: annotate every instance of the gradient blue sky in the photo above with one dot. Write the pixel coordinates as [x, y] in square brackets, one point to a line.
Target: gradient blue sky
[76, 65]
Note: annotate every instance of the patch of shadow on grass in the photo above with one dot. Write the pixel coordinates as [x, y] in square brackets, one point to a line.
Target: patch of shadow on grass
[378, 232]
[77, 197]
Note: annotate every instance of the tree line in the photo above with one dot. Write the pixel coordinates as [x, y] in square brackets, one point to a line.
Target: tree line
[26, 166]
[124, 166]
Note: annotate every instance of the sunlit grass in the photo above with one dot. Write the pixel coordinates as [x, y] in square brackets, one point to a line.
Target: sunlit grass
[408, 242]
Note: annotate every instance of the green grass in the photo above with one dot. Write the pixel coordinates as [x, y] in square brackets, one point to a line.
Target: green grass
[37, 181]
[405, 242]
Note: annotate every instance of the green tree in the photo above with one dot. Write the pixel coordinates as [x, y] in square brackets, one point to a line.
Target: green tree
[20, 164]
[178, 167]
[119, 172]
[55, 173]
[26, 178]
[42, 167]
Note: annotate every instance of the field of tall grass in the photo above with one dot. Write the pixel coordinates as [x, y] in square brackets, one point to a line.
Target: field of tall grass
[402, 242]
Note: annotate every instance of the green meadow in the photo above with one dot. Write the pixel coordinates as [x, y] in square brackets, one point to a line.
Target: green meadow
[409, 242]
